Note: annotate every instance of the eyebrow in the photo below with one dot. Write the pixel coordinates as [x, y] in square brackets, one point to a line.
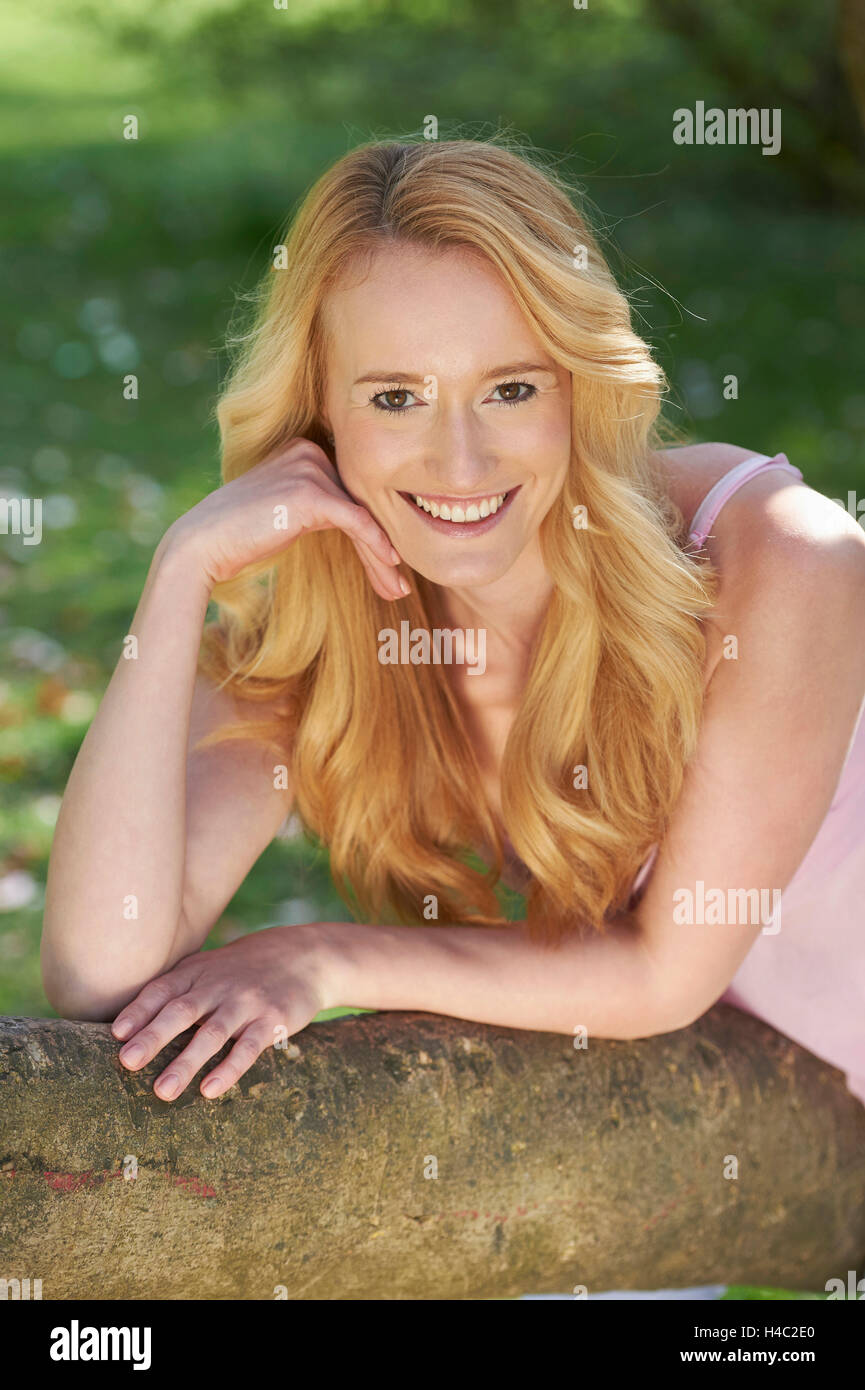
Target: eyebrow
[412, 379]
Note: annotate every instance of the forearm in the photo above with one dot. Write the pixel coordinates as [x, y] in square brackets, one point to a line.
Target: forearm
[607, 983]
[116, 871]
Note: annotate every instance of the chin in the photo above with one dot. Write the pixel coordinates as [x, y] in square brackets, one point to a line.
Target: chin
[466, 571]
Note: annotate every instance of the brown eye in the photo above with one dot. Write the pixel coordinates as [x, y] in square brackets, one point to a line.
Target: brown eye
[395, 400]
[514, 392]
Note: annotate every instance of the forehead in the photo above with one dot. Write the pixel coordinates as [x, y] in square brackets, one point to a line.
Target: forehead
[445, 308]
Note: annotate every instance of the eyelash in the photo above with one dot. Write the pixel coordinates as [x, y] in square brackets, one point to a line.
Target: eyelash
[404, 409]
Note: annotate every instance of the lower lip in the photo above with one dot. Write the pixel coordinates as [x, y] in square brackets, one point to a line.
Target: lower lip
[463, 529]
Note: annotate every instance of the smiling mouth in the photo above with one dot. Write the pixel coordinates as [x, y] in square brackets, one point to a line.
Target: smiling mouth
[461, 516]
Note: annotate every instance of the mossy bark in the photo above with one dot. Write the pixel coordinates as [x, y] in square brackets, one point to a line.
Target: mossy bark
[412, 1156]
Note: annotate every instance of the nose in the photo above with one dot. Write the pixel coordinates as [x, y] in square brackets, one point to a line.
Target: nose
[459, 456]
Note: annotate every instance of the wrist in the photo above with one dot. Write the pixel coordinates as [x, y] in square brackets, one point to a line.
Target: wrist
[386, 966]
[335, 949]
[176, 555]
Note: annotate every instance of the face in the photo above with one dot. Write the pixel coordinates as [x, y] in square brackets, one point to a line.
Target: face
[438, 389]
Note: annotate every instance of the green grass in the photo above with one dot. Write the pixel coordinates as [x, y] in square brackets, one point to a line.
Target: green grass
[745, 1293]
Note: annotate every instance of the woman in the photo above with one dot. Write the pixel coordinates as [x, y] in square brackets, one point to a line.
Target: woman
[443, 418]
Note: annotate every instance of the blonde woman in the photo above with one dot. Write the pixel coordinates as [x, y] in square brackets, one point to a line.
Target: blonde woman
[443, 422]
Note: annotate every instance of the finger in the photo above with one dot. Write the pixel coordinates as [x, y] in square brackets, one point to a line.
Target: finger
[298, 450]
[358, 523]
[208, 1039]
[248, 1048]
[387, 582]
[367, 529]
[153, 997]
[177, 1015]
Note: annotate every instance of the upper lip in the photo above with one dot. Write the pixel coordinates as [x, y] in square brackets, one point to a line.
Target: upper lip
[450, 498]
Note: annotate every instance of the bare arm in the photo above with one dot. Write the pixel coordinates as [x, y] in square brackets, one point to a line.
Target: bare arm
[607, 984]
[124, 898]
[153, 838]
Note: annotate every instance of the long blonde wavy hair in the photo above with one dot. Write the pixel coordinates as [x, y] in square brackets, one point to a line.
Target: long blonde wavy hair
[382, 767]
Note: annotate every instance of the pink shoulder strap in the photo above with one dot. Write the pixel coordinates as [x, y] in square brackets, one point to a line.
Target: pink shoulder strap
[707, 512]
[704, 519]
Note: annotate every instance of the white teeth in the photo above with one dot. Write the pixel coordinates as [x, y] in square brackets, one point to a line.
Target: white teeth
[473, 512]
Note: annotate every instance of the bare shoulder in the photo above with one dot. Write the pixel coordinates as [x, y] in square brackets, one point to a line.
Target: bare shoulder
[691, 470]
[775, 538]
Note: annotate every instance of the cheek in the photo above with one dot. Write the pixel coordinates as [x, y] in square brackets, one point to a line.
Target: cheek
[555, 439]
[368, 457]
[546, 446]
[555, 422]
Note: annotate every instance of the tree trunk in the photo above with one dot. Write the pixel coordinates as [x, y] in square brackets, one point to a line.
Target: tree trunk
[412, 1156]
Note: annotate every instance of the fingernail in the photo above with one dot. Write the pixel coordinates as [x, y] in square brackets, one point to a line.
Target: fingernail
[394, 555]
[169, 1086]
[121, 1027]
[209, 1086]
[403, 586]
[132, 1054]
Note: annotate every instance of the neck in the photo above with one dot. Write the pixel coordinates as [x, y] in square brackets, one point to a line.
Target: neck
[511, 610]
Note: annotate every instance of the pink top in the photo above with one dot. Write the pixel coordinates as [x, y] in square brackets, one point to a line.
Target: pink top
[808, 979]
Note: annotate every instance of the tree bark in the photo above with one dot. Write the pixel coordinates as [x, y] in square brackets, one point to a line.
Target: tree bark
[313, 1178]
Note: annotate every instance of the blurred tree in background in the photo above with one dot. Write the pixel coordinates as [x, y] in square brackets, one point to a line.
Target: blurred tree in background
[620, 65]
